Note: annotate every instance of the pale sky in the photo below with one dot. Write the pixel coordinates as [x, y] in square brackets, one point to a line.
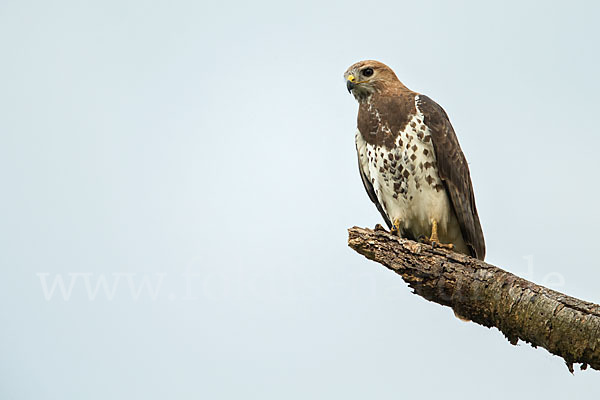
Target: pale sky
[198, 158]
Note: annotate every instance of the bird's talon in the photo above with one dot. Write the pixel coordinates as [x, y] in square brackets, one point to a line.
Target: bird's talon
[378, 227]
[436, 243]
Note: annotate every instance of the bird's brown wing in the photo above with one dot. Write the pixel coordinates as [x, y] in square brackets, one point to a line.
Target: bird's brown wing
[454, 172]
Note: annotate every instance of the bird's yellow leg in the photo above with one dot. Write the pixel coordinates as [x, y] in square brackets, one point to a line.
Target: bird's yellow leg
[434, 240]
[395, 227]
[434, 232]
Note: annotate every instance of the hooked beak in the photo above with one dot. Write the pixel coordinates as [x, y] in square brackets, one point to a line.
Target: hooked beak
[350, 83]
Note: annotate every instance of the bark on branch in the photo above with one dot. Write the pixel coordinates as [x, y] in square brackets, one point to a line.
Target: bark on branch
[490, 296]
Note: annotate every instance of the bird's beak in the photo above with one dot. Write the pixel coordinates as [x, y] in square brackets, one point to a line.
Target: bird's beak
[350, 83]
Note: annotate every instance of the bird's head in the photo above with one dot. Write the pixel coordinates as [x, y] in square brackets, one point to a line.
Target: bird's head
[367, 77]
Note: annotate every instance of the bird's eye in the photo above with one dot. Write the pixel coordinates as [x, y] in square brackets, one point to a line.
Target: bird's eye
[367, 71]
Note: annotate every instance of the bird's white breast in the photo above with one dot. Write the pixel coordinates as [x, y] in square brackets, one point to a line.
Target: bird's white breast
[405, 179]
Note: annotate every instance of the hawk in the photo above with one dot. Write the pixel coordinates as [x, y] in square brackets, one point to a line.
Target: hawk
[411, 163]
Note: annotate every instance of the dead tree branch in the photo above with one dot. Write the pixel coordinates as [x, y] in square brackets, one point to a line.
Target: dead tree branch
[490, 296]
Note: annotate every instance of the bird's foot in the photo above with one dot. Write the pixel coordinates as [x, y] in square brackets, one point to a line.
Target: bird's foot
[395, 228]
[434, 241]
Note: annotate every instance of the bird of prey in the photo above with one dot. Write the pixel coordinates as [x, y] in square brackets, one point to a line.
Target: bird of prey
[411, 163]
